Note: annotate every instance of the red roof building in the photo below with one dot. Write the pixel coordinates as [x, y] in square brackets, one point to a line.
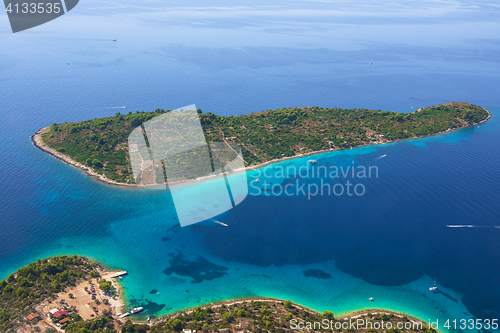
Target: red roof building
[60, 313]
[33, 316]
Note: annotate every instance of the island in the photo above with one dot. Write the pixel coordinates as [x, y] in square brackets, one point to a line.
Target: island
[74, 294]
[100, 146]
[57, 292]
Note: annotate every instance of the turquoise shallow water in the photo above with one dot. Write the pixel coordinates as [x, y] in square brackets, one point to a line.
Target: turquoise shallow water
[388, 244]
[136, 230]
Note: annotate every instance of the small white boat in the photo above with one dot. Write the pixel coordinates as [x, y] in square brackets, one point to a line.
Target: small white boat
[433, 288]
[221, 223]
[114, 40]
[313, 161]
[371, 299]
[136, 310]
[257, 180]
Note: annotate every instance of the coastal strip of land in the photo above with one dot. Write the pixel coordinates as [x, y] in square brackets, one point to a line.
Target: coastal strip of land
[99, 147]
[264, 314]
[74, 294]
[53, 293]
[40, 144]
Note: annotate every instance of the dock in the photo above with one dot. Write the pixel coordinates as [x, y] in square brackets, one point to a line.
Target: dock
[117, 274]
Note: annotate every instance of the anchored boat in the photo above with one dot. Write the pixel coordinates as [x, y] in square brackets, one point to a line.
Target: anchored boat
[136, 310]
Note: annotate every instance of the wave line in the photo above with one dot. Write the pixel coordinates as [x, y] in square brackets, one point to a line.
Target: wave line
[472, 226]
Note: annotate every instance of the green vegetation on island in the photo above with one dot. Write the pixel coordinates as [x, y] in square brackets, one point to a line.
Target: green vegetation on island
[27, 294]
[277, 316]
[261, 316]
[102, 324]
[101, 143]
[106, 286]
[37, 282]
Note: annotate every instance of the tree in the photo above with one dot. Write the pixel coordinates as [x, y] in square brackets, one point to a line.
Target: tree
[228, 316]
[56, 286]
[96, 163]
[288, 304]
[383, 316]
[175, 324]
[328, 315]
[467, 115]
[106, 286]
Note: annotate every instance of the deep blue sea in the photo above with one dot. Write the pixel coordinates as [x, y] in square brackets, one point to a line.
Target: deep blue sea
[231, 58]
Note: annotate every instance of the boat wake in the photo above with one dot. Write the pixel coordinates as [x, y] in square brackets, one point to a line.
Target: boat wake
[380, 157]
[219, 222]
[473, 226]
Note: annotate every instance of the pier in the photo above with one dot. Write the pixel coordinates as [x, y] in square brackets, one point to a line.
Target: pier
[117, 274]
